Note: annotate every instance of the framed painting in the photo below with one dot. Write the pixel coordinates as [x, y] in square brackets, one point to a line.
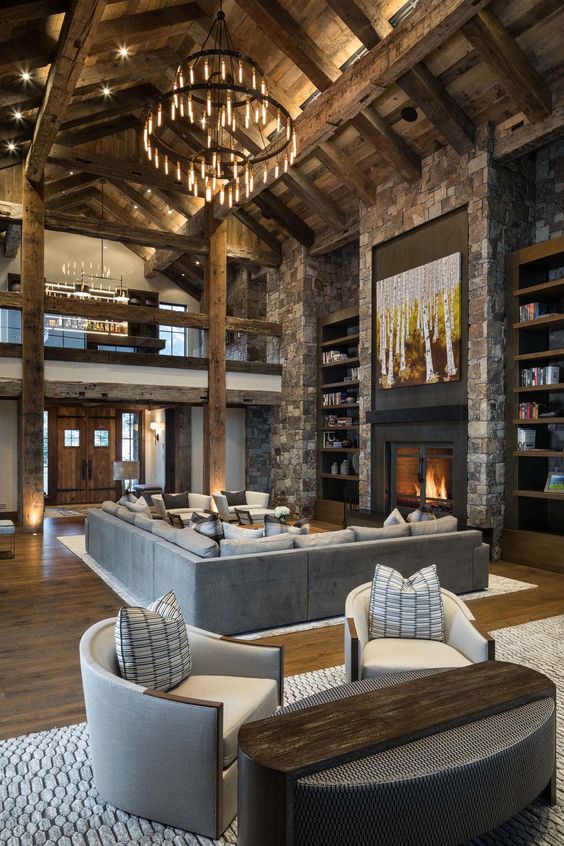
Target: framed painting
[418, 317]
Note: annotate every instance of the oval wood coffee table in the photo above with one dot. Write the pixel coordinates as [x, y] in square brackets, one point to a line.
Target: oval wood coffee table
[431, 761]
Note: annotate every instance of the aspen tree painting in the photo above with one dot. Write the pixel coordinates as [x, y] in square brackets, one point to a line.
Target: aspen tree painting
[418, 324]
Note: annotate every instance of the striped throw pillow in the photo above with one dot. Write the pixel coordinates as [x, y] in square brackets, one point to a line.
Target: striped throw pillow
[210, 526]
[232, 531]
[406, 608]
[152, 644]
[274, 526]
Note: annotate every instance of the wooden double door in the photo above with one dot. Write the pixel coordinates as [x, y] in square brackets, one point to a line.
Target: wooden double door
[86, 450]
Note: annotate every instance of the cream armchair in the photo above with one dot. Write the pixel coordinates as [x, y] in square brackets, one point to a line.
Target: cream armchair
[256, 505]
[464, 642]
[172, 757]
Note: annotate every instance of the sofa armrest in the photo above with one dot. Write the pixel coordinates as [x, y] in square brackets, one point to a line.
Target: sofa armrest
[218, 655]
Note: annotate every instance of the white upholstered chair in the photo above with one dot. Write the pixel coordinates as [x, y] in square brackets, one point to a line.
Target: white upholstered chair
[172, 757]
[464, 642]
[256, 504]
[197, 503]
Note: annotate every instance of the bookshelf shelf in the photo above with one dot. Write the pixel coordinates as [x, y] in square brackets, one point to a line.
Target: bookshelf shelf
[552, 289]
[539, 453]
[540, 495]
[550, 321]
[338, 330]
[527, 389]
[541, 355]
[537, 421]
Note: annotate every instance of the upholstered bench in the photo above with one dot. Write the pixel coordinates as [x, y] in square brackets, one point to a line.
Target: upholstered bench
[420, 758]
[8, 530]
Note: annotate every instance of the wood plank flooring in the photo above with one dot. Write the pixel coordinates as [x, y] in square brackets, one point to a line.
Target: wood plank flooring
[48, 598]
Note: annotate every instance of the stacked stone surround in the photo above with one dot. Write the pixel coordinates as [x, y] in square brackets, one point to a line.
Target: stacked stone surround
[500, 203]
[301, 290]
[246, 297]
[549, 211]
[258, 447]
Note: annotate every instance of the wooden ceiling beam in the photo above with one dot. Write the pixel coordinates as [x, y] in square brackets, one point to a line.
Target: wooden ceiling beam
[253, 224]
[509, 64]
[27, 53]
[516, 136]
[274, 209]
[73, 47]
[86, 112]
[388, 143]
[22, 12]
[359, 20]
[316, 200]
[144, 26]
[76, 137]
[424, 30]
[347, 171]
[138, 67]
[149, 209]
[68, 185]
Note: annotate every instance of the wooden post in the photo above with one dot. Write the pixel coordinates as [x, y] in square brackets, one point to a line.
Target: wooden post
[31, 496]
[215, 285]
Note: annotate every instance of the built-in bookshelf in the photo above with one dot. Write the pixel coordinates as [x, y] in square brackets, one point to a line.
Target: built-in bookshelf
[338, 413]
[534, 515]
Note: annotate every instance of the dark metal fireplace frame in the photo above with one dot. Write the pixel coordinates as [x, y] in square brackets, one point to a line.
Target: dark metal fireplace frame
[422, 473]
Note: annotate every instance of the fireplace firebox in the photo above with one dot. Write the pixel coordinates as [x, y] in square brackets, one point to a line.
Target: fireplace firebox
[422, 476]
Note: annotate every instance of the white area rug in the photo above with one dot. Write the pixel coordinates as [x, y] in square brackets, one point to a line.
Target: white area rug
[76, 543]
[47, 797]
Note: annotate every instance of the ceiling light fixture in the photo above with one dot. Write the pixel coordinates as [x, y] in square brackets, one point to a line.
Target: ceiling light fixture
[25, 75]
[11, 146]
[123, 52]
[18, 115]
[106, 90]
[216, 91]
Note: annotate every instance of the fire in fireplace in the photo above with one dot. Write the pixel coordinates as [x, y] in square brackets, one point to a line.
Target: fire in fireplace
[421, 476]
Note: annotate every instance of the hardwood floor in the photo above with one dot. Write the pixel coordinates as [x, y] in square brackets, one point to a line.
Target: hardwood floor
[49, 598]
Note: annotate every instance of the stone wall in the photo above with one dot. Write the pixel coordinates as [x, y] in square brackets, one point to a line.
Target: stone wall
[246, 297]
[258, 448]
[301, 290]
[500, 203]
[549, 208]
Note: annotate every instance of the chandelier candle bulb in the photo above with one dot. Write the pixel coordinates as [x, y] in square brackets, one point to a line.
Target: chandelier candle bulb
[178, 171]
[166, 164]
[159, 115]
[240, 72]
[222, 195]
[191, 72]
[150, 123]
[206, 70]
[230, 197]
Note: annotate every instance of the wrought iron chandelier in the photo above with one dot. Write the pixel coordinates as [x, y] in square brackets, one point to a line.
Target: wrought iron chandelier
[219, 93]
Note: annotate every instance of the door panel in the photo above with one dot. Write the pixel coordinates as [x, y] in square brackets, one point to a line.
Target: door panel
[101, 437]
[72, 461]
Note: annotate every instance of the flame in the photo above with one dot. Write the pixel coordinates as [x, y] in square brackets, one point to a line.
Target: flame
[435, 485]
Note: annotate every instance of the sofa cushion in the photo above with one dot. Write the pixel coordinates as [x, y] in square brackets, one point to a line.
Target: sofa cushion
[255, 545]
[434, 527]
[406, 608]
[197, 543]
[199, 501]
[110, 507]
[235, 497]
[165, 531]
[175, 500]
[145, 521]
[231, 531]
[244, 699]
[273, 526]
[139, 507]
[325, 539]
[369, 533]
[394, 518]
[152, 644]
[125, 514]
[391, 655]
[210, 526]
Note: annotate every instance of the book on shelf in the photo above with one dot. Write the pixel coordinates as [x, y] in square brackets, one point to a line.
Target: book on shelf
[338, 398]
[526, 439]
[534, 376]
[530, 410]
[531, 311]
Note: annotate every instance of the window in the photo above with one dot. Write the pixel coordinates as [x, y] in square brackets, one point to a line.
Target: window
[130, 440]
[72, 437]
[101, 438]
[10, 326]
[69, 337]
[45, 452]
[175, 336]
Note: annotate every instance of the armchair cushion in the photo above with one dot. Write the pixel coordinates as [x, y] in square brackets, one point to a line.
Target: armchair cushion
[257, 498]
[152, 645]
[199, 501]
[406, 608]
[391, 655]
[244, 699]
[210, 526]
[175, 500]
[158, 502]
[235, 497]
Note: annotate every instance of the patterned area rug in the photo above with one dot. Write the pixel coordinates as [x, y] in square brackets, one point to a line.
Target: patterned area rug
[47, 796]
[76, 543]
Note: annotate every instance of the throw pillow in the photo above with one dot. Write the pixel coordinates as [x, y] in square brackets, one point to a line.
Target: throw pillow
[152, 644]
[274, 526]
[138, 507]
[210, 526]
[127, 497]
[420, 515]
[395, 517]
[232, 531]
[178, 500]
[406, 608]
[235, 497]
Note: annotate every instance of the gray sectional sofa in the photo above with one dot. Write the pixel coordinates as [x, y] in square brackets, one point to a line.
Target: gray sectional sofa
[241, 593]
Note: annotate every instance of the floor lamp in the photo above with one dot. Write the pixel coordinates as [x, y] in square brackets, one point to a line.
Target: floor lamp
[125, 471]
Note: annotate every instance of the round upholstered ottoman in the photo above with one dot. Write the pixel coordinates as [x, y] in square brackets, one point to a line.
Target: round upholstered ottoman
[440, 789]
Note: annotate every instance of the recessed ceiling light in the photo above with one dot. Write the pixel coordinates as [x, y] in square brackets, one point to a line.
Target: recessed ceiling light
[123, 52]
[11, 146]
[170, 211]
[18, 115]
[197, 261]
[71, 172]
[26, 76]
[106, 90]
[148, 190]
[183, 274]
[134, 207]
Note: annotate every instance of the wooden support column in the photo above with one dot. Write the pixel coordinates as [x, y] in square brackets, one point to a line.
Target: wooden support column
[215, 298]
[32, 399]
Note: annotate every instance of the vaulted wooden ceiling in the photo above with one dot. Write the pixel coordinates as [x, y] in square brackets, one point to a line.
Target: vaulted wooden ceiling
[504, 64]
